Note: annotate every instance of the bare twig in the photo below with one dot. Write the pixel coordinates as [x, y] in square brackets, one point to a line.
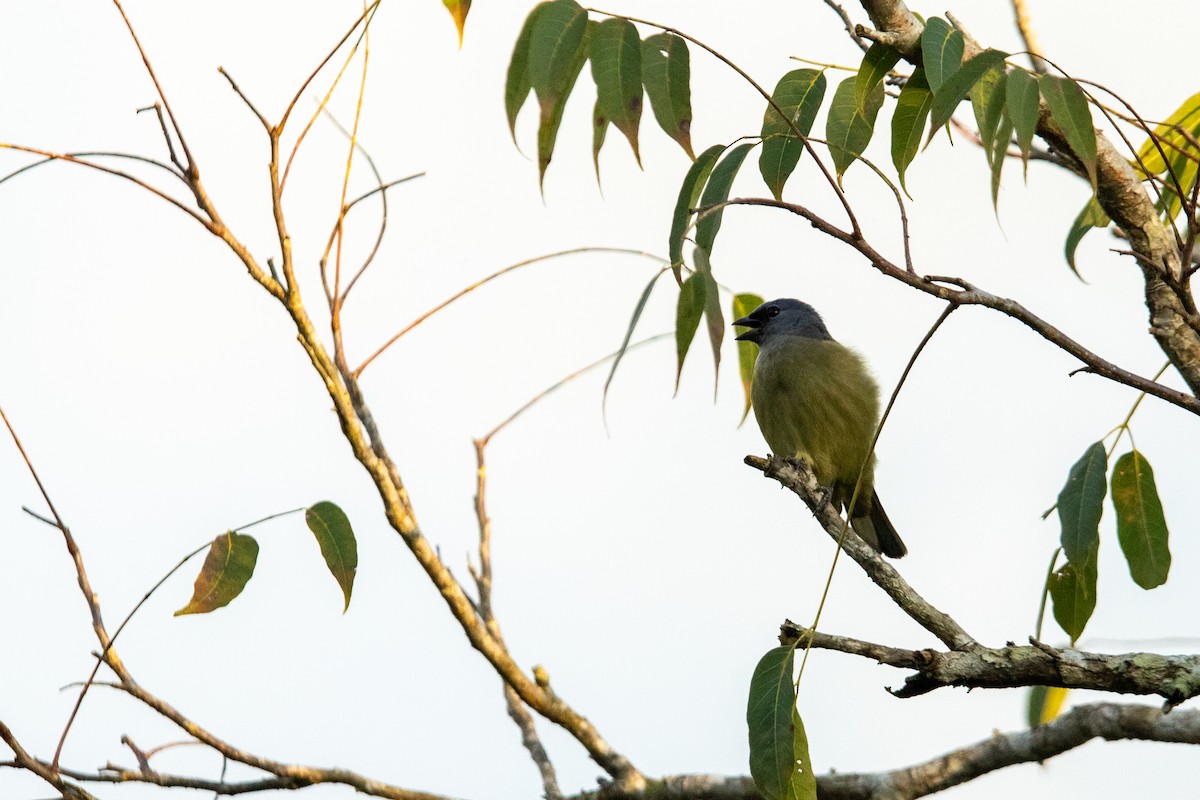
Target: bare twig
[238, 90]
[845, 18]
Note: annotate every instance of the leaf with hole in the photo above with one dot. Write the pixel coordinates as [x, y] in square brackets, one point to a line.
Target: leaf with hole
[338, 546]
[615, 51]
[804, 780]
[667, 75]
[798, 95]
[770, 723]
[1141, 525]
[227, 568]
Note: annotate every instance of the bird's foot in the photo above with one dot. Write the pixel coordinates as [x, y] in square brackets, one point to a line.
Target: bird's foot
[824, 497]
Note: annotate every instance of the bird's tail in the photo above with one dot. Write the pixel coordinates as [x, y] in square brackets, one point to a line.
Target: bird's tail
[877, 530]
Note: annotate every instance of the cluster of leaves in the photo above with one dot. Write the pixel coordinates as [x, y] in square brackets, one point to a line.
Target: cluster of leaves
[232, 556]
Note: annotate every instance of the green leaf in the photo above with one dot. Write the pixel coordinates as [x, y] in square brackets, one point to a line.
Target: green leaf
[688, 311]
[667, 73]
[1045, 703]
[1073, 594]
[1081, 503]
[798, 95]
[599, 134]
[458, 10]
[987, 102]
[999, 153]
[557, 50]
[1183, 164]
[956, 86]
[1141, 526]
[518, 84]
[1187, 117]
[717, 192]
[848, 132]
[637, 315]
[336, 539]
[804, 779]
[689, 198]
[227, 567]
[876, 64]
[712, 311]
[616, 55]
[1092, 216]
[743, 304]
[908, 122]
[1069, 110]
[1021, 101]
[941, 51]
[769, 717]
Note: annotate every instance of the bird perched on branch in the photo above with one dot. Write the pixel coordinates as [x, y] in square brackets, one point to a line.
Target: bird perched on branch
[814, 399]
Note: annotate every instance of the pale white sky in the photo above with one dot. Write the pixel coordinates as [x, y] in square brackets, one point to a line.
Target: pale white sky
[164, 400]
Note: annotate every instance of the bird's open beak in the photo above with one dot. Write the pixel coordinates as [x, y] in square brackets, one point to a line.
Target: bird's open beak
[751, 335]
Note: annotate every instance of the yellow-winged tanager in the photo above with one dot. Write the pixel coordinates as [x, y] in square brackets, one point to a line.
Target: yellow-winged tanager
[814, 399]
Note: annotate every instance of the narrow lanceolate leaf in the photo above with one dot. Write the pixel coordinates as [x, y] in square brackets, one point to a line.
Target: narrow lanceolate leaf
[633, 321]
[743, 304]
[877, 62]
[667, 75]
[798, 95]
[908, 122]
[769, 719]
[987, 102]
[688, 311]
[1021, 101]
[518, 84]
[717, 192]
[941, 51]
[227, 567]
[615, 51]
[1141, 526]
[956, 86]
[1069, 110]
[1167, 136]
[712, 312]
[458, 10]
[848, 132]
[338, 546]
[804, 779]
[1045, 703]
[689, 198]
[1073, 595]
[599, 134]
[557, 50]
[1092, 216]
[1080, 504]
[999, 153]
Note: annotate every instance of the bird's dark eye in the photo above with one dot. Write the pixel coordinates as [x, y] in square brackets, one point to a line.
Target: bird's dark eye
[773, 311]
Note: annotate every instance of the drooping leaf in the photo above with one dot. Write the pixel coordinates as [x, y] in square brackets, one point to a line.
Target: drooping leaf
[798, 95]
[338, 546]
[615, 51]
[1081, 503]
[743, 304]
[599, 134]
[1045, 704]
[877, 62]
[633, 321]
[1092, 216]
[955, 87]
[1141, 526]
[1183, 163]
[458, 10]
[999, 153]
[689, 198]
[941, 51]
[667, 74]
[712, 311]
[557, 51]
[771, 724]
[804, 780]
[688, 311]
[227, 567]
[848, 132]
[1168, 136]
[1021, 101]
[717, 192]
[908, 122]
[1073, 595]
[1069, 110]
[518, 84]
[987, 102]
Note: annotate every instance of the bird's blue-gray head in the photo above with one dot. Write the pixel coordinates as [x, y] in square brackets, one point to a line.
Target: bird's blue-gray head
[783, 317]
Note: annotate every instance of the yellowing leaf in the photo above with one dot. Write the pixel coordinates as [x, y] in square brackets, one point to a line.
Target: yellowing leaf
[226, 570]
[458, 10]
[743, 304]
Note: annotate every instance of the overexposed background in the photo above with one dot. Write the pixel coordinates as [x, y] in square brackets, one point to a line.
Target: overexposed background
[164, 399]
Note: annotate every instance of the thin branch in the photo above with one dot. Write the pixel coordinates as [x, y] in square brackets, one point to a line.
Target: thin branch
[98, 154]
[238, 90]
[538, 259]
[845, 18]
[50, 774]
[1028, 36]
[162, 124]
